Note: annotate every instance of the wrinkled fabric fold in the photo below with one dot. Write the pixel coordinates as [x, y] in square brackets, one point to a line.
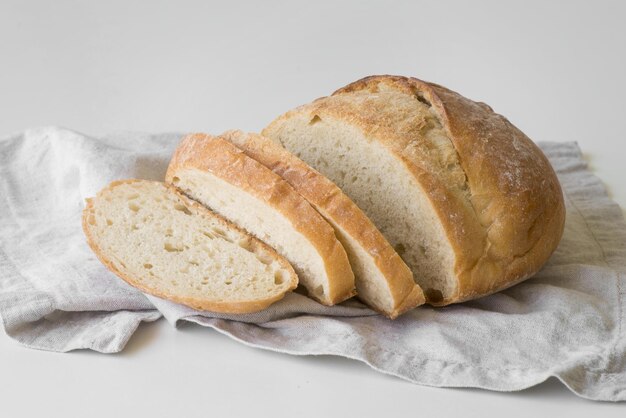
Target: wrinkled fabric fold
[568, 321]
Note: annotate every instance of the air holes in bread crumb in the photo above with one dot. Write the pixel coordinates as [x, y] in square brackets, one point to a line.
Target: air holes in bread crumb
[400, 249]
[133, 206]
[433, 295]
[148, 266]
[109, 222]
[420, 98]
[246, 244]
[175, 180]
[264, 258]
[182, 208]
[219, 231]
[315, 120]
[222, 234]
[319, 291]
[170, 248]
[278, 278]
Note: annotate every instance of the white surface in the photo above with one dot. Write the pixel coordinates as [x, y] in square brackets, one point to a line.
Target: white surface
[555, 70]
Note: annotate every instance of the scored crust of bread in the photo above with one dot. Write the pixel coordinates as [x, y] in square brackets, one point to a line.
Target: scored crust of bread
[169, 246]
[219, 175]
[383, 280]
[483, 207]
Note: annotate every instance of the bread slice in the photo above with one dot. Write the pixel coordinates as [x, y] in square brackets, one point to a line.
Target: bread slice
[166, 245]
[214, 172]
[383, 280]
[466, 199]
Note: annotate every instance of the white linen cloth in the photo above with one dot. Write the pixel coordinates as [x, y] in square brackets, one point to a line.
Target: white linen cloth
[568, 321]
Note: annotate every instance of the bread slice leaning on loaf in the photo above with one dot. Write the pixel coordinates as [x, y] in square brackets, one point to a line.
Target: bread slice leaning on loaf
[166, 245]
[219, 175]
[468, 201]
[383, 280]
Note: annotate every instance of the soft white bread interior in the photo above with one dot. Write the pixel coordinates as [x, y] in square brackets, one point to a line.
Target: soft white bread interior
[468, 201]
[216, 173]
[166, 245]
[383, 280]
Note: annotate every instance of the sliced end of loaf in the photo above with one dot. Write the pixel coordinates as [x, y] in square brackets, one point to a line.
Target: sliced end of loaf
[470, 202]
[166, 245]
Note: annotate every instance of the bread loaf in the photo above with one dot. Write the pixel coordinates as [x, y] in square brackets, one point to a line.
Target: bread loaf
[383, 281]
[219, 175]
[164, 244]
[469, 202]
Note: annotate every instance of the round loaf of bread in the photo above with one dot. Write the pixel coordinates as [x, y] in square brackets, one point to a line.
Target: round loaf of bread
[470, 203]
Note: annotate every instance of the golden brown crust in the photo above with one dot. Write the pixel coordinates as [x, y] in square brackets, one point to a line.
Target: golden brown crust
[221, 158]
[507, 214]
[246, 306]
[334, 205]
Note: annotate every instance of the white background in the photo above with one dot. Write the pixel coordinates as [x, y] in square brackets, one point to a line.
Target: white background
[557, 70]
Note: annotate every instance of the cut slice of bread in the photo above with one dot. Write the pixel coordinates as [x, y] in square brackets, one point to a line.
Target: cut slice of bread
[468, 201]
[166, 245]
[219, 175]
[383, 280]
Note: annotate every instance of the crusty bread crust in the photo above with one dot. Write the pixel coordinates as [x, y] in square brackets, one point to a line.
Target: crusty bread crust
[332, 203]
[255, 245]
[221, 158]
[512, 217]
